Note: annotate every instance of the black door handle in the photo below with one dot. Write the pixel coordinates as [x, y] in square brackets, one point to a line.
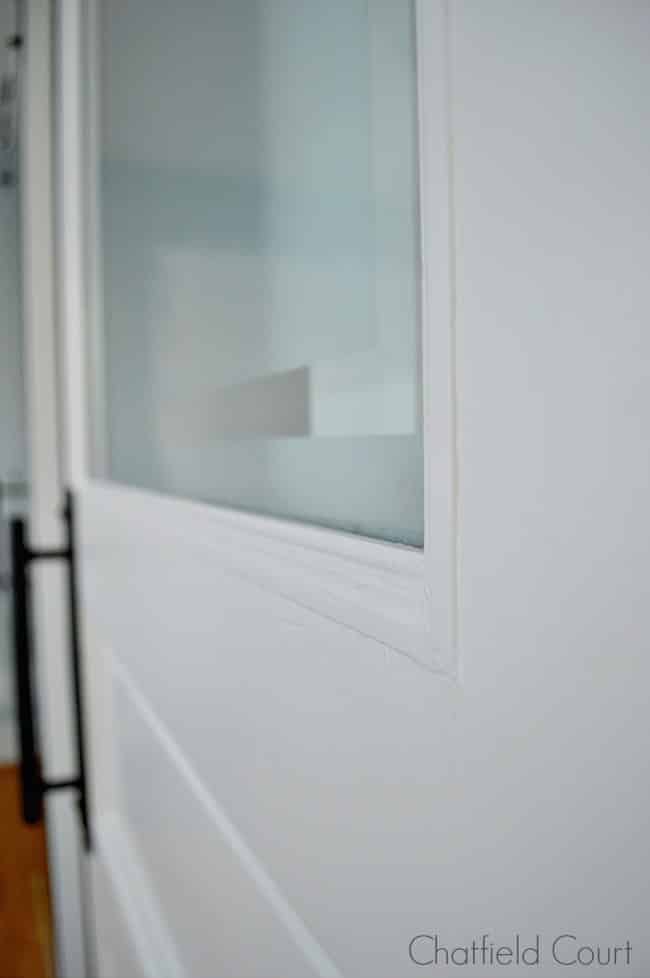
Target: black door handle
[33, 785]
[30, 769]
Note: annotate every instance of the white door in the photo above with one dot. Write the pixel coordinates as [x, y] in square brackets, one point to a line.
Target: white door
[358, 685]
[245, 415]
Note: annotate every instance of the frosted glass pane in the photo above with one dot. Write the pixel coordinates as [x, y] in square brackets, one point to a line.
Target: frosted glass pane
[259, 258]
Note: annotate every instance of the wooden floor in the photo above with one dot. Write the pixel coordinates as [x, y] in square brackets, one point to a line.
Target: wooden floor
[25, 918]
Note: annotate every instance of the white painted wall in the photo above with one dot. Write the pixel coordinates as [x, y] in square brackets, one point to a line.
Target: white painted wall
[382, 800]
[12, 447]
[11, 431]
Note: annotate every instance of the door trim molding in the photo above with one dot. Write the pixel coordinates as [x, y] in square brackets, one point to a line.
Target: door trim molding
[376, 589]
[140, 907]
[140, 916]
[44, 417]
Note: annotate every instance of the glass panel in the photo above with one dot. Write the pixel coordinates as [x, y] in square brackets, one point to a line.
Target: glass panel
[259, 259]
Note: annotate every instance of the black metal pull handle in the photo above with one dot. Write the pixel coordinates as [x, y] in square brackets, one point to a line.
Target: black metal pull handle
[33, 785]
[30, 768]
